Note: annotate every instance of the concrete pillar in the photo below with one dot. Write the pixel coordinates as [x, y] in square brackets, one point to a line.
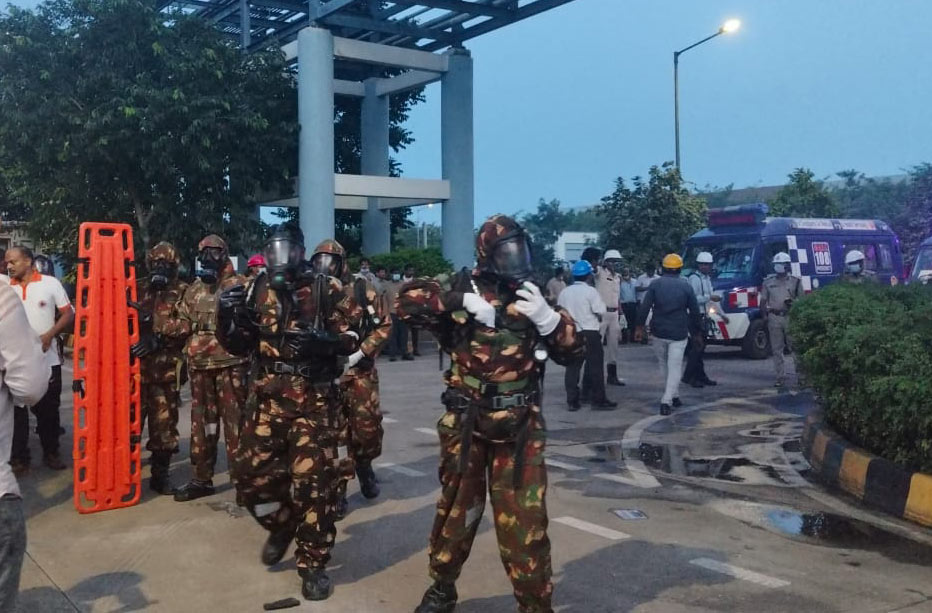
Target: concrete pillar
[245, 25]
[456, 133]
[376, 224]
[316, 200]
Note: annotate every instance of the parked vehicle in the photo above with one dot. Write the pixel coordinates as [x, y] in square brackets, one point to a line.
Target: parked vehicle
[922, 267]
[743, 241]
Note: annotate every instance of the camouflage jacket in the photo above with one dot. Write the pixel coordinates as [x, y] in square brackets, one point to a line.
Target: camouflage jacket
[195, 318]
[375, 324]
[492, 355]
[274, 316]
[163, 365]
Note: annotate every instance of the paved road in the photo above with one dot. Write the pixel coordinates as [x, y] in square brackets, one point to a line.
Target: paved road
[728, 520]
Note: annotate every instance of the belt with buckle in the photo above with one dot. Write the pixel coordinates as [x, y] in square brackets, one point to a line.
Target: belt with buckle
[778, 311]
[301, 370]
[611, 309]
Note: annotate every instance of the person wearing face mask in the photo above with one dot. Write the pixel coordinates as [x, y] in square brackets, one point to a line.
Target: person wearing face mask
[408, 277]
[778, 292]
[398, 341]
[608, 284]
[499, 331]
[299, 322]
[162, 363]
[255, 265]
[855, 269]
[218, 377]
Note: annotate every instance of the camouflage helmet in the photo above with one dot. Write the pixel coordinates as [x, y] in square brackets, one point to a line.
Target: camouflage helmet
[333, 249]
[213, 241]
[162, 251]
[495, 229]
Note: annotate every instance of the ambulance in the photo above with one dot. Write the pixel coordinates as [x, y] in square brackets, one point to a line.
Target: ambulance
[922, 267]
[743, 240]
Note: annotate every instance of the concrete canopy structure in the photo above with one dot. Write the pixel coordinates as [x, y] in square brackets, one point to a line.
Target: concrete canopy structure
[418, 42]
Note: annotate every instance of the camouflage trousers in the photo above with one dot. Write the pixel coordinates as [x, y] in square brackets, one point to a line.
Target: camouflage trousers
[217, 395]
[363, 415]
[160, 411]
[520, 515]
[287, 467]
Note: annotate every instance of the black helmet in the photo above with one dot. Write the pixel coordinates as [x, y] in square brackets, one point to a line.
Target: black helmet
[284, 254]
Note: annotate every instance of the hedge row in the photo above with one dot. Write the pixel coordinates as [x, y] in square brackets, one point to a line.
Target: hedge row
[427, 262]
[867, 352]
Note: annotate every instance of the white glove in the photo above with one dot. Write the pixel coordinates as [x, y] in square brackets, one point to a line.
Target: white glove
[353, 359]
[480, 309]
[533, 306]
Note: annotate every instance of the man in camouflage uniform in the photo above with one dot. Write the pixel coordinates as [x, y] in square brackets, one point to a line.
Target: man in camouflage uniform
[218, 378]
[299, 322]
[498, 330]
[362, 429]
[161, 359]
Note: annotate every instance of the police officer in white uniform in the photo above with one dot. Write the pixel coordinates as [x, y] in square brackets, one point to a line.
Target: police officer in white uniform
[701, 283]
[608, 284]
[777, 296]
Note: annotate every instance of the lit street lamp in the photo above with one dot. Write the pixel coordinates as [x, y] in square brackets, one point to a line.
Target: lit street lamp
[728, 27]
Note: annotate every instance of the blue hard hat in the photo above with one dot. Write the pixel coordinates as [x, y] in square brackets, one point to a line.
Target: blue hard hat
[582, 268]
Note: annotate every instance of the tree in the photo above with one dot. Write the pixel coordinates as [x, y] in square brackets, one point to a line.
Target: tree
[650, 218]
[803, 196]
[862, 197]
[116, 112]
[544, 227]
[914, 224]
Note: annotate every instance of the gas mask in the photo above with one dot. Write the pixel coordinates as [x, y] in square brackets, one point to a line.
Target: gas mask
[160, 274]
[283, 257]
[327, 264]
[779, 268]
[211, 261]
[511, 260]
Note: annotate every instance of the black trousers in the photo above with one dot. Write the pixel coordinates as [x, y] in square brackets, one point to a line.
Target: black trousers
[415, 338]
[398, 341]
[593, 385]
[695, 362]
[47, 416]
[630, 310]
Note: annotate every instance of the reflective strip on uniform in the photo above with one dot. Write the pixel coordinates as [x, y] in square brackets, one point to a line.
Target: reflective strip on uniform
[211, 429]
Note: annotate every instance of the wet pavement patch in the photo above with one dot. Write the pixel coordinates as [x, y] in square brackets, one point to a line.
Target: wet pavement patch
[831, 530]
[675, 460]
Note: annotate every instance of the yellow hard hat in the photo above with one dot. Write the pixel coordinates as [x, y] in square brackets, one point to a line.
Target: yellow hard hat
[672, 261]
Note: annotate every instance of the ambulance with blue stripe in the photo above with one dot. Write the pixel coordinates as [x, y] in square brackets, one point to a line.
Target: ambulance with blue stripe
[743, 240]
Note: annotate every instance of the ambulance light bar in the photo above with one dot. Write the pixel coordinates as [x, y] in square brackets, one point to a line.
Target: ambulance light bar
[741, 215]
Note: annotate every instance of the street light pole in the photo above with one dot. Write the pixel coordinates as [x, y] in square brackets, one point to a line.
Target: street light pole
[729, 26]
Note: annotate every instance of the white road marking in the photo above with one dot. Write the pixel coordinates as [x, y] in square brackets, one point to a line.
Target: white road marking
[612, 535]
[563, 465]
[401, 470]
[429, 431]
[632, 481]
[739, 573]
[389, 420]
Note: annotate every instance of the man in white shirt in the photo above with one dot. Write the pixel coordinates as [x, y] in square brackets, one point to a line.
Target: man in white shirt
[701, 282]
[49, 313]
[583, 303]
[641, 285]
[24, 377]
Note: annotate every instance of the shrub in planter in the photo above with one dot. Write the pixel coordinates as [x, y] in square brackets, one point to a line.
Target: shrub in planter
[867, 352]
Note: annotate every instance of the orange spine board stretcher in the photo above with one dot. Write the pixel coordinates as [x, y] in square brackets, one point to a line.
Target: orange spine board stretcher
[106, 377]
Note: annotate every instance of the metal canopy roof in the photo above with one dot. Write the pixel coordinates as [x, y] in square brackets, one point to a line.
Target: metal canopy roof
[430, 25]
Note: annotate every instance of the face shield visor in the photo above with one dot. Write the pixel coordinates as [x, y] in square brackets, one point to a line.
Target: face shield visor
[161, 273]
[511, 259]
[283, 257]
[326, 264]
[211, 261]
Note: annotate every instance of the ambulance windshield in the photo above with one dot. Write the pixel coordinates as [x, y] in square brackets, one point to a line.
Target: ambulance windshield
[732, 260]
[922, 269]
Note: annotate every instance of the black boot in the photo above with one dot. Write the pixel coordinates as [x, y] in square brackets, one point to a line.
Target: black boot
[193, 490]
[276, 545]
[612, 378]
[368, 484]
[439, 598]
[160, 482]
[315, 584]
[341, 508]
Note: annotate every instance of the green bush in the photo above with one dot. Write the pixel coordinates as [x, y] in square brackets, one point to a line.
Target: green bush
[427, 262]
[867, 352]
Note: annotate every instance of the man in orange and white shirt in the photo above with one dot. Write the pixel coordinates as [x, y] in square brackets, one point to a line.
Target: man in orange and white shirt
[49, 313]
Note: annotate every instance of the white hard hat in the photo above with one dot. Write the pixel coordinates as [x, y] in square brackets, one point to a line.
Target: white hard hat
[704, 257]
[781, 258]
[854, 256]
[611, 254]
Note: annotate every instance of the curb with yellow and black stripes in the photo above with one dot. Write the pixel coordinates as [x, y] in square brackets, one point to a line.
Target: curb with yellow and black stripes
[876, 482]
